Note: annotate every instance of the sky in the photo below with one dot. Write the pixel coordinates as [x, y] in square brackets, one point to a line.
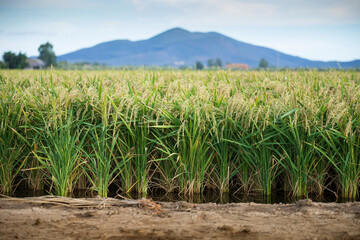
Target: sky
[313, 29]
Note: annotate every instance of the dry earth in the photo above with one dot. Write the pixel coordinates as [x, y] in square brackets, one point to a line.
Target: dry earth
[66, 218]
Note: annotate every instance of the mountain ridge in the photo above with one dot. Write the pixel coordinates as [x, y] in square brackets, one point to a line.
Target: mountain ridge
[178, 46]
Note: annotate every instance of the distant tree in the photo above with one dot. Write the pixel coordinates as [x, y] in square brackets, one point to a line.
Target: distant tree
[10, 60]
[13, 61]
[21, 61]
[213, 63]
[218, 62]
[263, 63]
[199, 65]
[47, 54]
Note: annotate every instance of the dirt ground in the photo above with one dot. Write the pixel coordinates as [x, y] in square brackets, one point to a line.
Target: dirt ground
[66, 218]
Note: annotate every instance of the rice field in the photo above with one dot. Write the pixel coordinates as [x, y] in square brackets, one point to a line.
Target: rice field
[181, 131]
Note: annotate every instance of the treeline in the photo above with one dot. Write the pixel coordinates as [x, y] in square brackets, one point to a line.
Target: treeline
[19, 61]
[13, 61]
[65, 65]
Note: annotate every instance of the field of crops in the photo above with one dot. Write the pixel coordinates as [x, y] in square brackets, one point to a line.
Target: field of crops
[181, 131]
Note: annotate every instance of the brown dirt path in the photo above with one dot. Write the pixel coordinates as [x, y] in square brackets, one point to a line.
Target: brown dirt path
[66, 218]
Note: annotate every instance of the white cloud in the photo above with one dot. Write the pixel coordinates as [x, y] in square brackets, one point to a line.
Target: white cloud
[27, 33]
[259, 12]
[57, 4]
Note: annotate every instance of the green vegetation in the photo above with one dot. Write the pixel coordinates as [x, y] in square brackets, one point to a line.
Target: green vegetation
[11, 144]
[46, 53]
[60, 150]
[181, 131]
[13, 61]
[214, 63]
[64, 65]
[199, 65]
[263, 63]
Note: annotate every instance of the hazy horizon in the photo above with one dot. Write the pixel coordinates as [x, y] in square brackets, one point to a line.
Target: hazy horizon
[316, 30]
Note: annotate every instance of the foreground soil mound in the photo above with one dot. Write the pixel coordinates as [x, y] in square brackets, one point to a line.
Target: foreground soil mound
[98, 218]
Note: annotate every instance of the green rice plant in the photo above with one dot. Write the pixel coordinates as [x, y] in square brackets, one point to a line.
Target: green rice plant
[267, 165]
[322, 168]
[321, 171]
[256, 149]
[12, 144]
[166, 163]
[125, 148]
[133, 144]
[297, 153]
[224, 163]
[101, 167]
[186, 131]
[264, 160]
[194, 153]
[141, 151]
[33, 172]
[344, 154]
[165, 137]
[60, 152]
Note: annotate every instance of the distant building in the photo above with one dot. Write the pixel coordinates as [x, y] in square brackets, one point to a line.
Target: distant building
[238, 66]
[35, 63]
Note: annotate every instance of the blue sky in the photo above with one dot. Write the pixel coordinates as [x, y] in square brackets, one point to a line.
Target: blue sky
[313, 29]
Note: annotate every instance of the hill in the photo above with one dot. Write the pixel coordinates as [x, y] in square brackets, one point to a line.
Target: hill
[178, 46]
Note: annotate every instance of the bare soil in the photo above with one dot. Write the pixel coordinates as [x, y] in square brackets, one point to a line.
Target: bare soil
[98, 218]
